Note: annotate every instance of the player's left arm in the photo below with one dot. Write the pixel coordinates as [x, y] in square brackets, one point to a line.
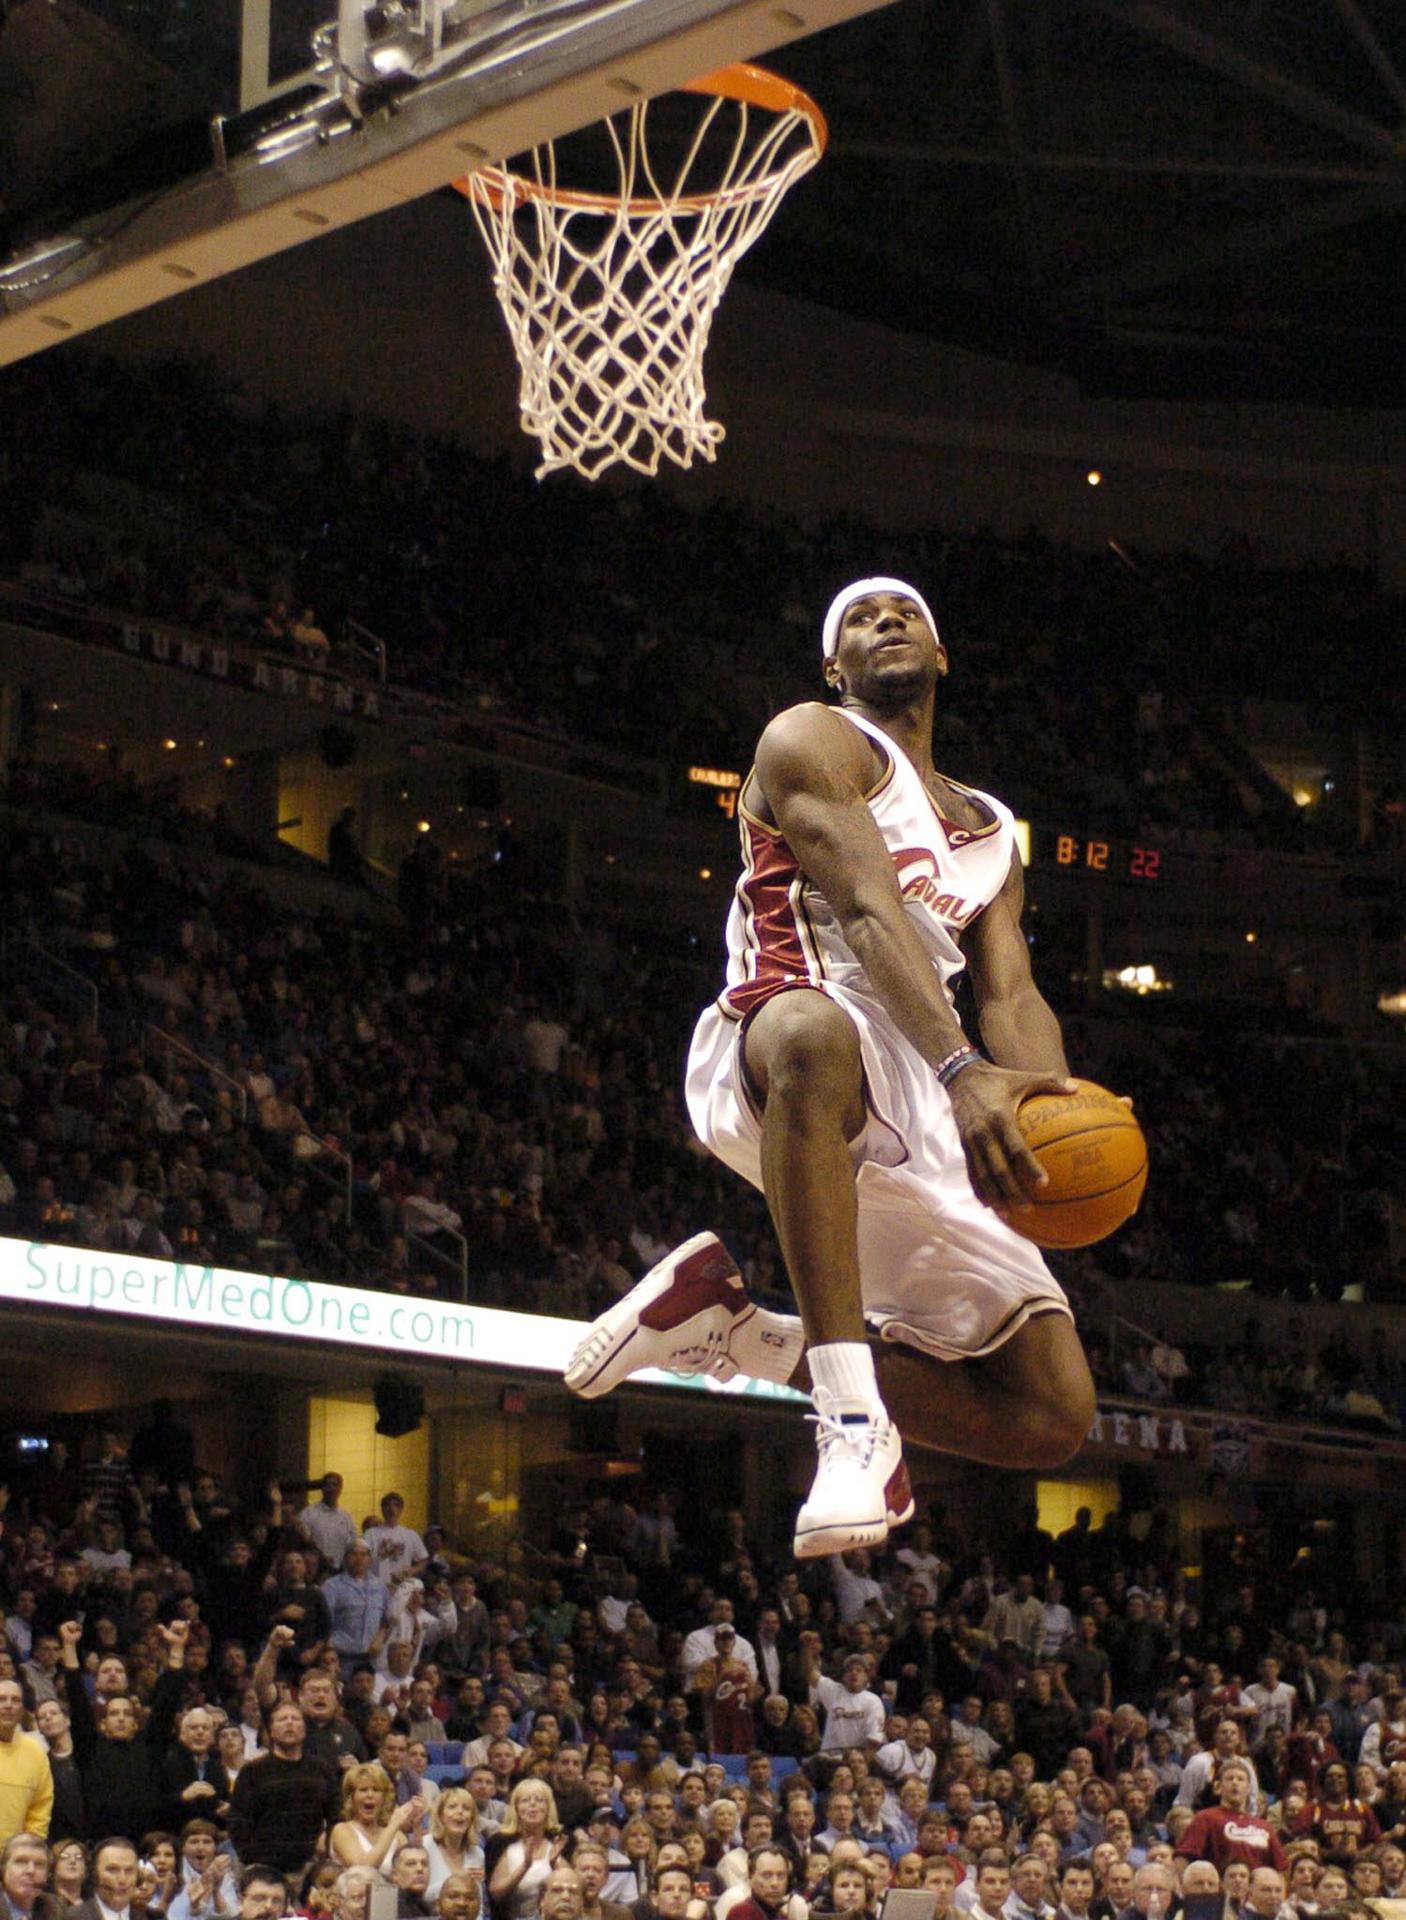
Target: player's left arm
[1018, 1026]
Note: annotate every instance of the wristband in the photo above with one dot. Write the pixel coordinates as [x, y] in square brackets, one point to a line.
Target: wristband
[947, 1070]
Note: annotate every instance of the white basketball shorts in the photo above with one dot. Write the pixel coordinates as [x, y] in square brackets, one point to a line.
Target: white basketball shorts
[939, 1271]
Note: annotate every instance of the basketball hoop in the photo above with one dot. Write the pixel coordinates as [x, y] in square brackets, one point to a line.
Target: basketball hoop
[609, 295]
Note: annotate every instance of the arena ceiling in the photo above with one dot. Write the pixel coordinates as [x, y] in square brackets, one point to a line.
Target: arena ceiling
[1173, 198]
[1184, 198]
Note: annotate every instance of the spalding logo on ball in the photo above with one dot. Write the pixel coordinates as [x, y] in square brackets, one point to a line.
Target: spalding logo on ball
[1095, 1158]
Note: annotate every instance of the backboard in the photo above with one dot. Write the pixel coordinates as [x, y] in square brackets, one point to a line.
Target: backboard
[145, 148]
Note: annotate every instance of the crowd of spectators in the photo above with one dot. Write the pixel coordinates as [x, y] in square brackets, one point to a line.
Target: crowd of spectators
[385, 1099]
[163, 492]
[470, 1062]
[209, 1709]
[462, 1102]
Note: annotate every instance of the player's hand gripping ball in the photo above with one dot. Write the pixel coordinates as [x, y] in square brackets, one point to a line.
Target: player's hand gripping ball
[1092, 1149]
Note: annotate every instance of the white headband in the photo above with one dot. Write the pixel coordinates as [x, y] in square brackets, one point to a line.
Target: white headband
[845, 599]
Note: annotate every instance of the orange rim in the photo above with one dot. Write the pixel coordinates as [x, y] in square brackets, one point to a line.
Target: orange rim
[750, 86]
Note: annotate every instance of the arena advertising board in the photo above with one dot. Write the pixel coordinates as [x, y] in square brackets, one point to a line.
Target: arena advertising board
[222, 1300]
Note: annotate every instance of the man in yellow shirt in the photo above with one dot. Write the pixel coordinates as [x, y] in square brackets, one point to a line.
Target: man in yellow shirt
[26, 1784]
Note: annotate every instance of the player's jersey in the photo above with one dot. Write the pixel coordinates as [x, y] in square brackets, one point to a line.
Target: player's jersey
[783, 933]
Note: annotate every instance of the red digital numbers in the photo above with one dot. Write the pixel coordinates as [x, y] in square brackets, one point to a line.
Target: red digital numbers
[1114, 857]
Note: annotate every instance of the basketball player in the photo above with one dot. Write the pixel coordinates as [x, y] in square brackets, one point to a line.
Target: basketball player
[833, 1073]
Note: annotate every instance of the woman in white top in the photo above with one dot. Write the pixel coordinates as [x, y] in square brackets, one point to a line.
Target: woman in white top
[453, 1839]
[522, 1853]
[372, 1828]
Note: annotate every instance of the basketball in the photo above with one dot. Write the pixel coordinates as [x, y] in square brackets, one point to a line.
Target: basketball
[1094, 1154]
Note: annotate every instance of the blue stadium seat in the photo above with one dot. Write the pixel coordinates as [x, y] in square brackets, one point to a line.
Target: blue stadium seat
[444, 1753]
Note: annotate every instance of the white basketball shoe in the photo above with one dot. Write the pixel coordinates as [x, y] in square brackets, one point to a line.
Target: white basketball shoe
[683, 1316]
[861, 1487]
[692, 1314]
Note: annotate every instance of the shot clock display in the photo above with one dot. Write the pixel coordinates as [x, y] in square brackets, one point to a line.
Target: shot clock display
[1091, 854]
[716, 786]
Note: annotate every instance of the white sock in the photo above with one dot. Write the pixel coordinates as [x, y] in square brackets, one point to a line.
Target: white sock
[770, 1346]
[844, 1369]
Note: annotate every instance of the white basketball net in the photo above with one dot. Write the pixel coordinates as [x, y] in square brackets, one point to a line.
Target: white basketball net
[609, 301]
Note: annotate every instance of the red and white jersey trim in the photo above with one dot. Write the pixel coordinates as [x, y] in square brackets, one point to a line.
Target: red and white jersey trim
[782, 933]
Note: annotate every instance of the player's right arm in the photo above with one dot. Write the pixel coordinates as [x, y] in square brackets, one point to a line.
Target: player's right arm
[814, 769]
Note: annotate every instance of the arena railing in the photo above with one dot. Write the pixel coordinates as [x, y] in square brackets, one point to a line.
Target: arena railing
[23, 954]
[453, 715]
[456, 1263]
[155, 1039]
[360, 640]
[344, 1179]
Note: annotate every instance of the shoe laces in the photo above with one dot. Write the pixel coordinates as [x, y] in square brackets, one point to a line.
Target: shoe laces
[853, 1439]
[702, 1357]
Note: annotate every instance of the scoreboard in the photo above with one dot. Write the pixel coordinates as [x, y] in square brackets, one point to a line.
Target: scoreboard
[1098, 856]
[718, 786]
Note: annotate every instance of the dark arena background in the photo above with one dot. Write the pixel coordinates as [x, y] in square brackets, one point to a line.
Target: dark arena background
[367, 828]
